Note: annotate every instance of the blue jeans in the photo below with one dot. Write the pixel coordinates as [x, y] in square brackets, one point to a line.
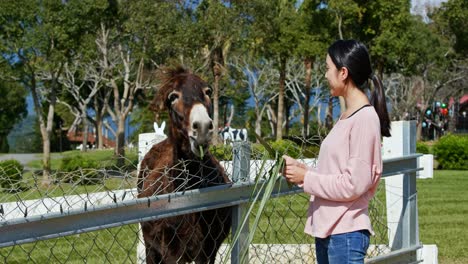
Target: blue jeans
[344, 248]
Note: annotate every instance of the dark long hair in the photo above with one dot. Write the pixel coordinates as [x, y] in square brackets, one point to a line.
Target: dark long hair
[355, 57]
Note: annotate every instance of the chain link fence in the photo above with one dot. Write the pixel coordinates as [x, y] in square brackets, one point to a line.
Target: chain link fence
[278, 236]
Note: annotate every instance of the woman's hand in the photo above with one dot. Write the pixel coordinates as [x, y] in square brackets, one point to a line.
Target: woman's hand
[294, 171]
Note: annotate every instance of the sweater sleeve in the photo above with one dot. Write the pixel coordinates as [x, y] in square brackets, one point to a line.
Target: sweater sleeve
[358, 175]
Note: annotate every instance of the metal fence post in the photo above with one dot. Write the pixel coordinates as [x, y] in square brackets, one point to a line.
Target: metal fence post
[402, 214]
[240, 172]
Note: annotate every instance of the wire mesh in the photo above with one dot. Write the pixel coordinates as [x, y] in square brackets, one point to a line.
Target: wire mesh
[279, 236]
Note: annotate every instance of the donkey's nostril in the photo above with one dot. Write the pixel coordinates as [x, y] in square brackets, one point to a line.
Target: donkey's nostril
[210, 127]
[195, 126]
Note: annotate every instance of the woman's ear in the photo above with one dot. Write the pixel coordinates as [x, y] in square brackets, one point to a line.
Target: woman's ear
[343, 73]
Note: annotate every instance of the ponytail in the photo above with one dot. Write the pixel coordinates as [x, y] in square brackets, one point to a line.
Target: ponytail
[380, 104]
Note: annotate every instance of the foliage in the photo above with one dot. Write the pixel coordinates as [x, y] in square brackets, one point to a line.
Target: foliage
[12, 110]
[222, 151]
[79, 169]
[25, 137]
[451, 152]
[451, 20]
[310, 151]
[286, 147]
[422, 148]
[11, 172]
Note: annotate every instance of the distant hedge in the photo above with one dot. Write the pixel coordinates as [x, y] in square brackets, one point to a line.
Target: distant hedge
[422, 148]
[79, 169]
[11, 173]
[451, 151]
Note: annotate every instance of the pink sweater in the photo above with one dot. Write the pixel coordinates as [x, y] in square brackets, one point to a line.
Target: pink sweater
[346, 178]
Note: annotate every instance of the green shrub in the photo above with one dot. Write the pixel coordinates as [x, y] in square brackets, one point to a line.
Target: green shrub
[79, 169]
[452, 152]
[11, 172]
[310, 151]
[259, 152]
[422, 148]
[287, 147]
[221, 151]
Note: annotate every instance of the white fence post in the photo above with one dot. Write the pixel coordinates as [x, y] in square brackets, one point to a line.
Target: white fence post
[240, 173]
[145, 143]
[402, 213]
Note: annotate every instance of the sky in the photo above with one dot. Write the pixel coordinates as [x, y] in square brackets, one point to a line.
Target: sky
[419, 6]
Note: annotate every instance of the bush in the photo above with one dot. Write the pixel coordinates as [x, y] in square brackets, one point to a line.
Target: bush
[452, 152]
[221, 152]
[79, 169]
[422, 148]
[310, 151]
[287, 147]
[11, 172]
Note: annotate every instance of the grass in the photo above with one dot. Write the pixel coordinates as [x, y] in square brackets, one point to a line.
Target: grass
[443, 220]
[115, 245]
[105, 157]
[443, 214]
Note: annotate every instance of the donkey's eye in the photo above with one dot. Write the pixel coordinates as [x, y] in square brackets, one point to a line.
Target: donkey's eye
[173, 97]
[208, 91]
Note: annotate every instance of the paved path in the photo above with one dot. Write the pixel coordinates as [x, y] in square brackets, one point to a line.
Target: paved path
[24, 159]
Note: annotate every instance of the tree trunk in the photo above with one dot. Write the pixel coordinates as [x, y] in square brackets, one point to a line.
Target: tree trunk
[84, 119]
[44, 134]
[319, 115]
[279, 115]
[258, 123]
[46, 143]
[99, 137]
[120, 144]
[453, 117]
[217, 63]
[418, 131]
[286, 117]
[329, 118]
[308, 81]
[271, 120]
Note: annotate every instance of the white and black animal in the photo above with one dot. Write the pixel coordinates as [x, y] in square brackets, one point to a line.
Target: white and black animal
[229, 134]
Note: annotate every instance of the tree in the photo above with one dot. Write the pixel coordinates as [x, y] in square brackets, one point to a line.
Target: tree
[302, 96]
[274, 36]
[219, 25]
[259, 76]
[451, 21]
[37, 39]
[315, 21]
[12, 110]
[82, 81]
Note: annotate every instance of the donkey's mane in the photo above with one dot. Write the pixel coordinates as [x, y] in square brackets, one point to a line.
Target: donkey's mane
[168, 78]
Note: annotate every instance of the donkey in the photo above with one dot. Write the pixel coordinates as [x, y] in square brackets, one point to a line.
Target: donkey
[183, 162]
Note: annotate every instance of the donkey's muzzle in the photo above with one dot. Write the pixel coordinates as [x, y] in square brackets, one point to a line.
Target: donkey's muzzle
[201, 128]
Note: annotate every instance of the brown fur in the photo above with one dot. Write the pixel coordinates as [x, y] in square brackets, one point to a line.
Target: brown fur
[171, 166]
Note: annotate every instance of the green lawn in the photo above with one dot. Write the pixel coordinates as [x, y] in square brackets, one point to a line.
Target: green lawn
[443, 214]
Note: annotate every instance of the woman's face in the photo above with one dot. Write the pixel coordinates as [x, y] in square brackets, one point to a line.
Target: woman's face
[334, 77]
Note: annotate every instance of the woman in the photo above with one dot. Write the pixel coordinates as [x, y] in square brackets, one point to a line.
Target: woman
[349, 164]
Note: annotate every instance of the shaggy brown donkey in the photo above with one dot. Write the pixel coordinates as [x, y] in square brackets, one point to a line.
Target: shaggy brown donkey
[183, 162]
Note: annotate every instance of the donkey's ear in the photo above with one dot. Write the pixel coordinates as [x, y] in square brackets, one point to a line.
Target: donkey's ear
[163, 125]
